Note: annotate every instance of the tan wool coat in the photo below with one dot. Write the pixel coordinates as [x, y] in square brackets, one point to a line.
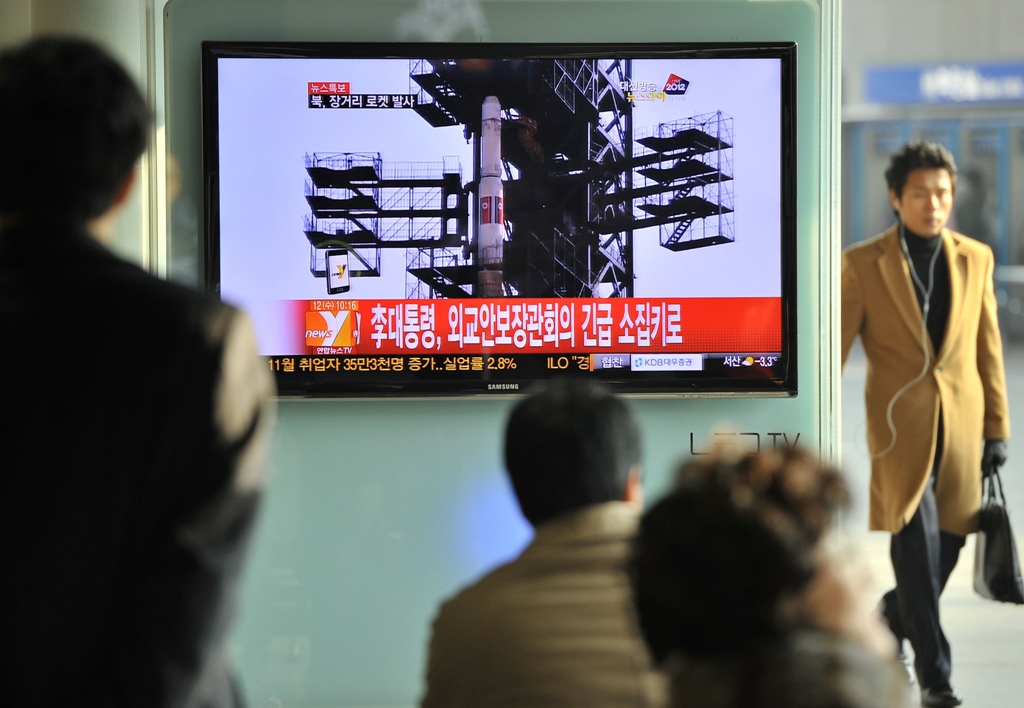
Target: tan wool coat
[965, 380]
[554, 627]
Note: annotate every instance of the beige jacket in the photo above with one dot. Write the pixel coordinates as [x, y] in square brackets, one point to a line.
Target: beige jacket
[965, 380]
[555, 627]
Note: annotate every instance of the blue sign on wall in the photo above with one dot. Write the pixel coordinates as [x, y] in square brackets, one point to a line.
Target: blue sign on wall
[946, 83]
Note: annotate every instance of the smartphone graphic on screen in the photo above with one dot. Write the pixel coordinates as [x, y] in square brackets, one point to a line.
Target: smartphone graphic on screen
[337, 271]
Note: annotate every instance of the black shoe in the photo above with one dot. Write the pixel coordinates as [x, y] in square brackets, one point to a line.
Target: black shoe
[888, 614]
[940, 697]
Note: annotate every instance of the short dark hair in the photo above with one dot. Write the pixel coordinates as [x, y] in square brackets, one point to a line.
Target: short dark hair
[73, 125]
[715, 558]
[569, 444]
[917, 155]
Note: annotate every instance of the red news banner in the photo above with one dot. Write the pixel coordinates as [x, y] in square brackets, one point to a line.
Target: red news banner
[535, 325]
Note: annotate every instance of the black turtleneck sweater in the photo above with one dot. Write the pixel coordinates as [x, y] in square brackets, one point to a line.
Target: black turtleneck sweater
[921, 249]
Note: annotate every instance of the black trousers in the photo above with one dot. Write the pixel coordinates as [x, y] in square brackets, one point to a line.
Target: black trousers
[923, 557]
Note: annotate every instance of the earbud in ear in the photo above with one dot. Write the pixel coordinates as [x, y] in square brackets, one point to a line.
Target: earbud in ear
[894, 202]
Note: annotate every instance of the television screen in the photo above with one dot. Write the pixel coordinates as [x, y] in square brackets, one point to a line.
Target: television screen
[468, 218]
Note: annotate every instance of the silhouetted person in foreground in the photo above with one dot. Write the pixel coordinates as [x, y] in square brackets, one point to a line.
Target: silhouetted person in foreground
[132, 413]
[556, 626]
[742, 603]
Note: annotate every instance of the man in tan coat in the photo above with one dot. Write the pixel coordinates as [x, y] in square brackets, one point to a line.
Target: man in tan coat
[556, 626]
[921, 298]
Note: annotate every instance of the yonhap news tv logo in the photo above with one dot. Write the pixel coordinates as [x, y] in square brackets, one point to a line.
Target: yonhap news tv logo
[330, 329]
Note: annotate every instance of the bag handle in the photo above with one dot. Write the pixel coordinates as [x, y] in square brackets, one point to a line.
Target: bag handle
[993, 481]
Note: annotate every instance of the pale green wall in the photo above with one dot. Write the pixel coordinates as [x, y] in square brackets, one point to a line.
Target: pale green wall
[15, 21]
[379, 509]
[117, 26]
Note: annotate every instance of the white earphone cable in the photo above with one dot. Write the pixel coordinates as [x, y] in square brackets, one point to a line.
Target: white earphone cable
[927, 295]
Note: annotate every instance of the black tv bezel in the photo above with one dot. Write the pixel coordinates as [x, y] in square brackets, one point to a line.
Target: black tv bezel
[786, 385]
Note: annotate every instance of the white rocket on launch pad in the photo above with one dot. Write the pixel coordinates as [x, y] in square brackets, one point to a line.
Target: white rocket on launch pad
[491, 212]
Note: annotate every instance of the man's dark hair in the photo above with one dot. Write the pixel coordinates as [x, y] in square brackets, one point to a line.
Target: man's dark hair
[72, 126]
[716, 558]
[568, 445]
[917, 155]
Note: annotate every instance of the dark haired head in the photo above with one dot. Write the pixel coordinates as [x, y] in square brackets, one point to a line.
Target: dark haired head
[717, 558]
[918, 155]
[72, 126]
[569, 445]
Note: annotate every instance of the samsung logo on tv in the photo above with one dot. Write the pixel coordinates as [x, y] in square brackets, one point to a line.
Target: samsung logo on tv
[502, 387]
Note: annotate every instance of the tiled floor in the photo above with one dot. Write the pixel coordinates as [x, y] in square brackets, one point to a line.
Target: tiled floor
[987, 638]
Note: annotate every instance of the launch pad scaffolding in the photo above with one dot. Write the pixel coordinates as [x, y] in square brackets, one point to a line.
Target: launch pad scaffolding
[363, 204]
[578, 182]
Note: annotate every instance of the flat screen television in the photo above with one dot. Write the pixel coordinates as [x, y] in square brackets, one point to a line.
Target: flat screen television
[429, 219]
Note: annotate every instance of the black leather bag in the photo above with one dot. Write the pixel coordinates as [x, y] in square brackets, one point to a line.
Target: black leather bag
[996, 568]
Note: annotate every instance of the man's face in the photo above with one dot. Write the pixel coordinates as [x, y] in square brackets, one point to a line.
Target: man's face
[926, 201]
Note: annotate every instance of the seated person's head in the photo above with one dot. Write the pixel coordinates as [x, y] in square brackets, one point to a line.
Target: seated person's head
[72, 126]
[569, 445]
[718, 560]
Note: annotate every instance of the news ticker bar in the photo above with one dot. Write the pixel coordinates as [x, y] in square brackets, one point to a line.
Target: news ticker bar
[513, 365]
[683, 362]
[649, 362]
[552, 326]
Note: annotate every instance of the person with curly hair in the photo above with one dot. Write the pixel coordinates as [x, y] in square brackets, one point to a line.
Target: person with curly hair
[742, 602]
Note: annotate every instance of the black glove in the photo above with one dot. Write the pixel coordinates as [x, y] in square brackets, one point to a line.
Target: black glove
[993, 457]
